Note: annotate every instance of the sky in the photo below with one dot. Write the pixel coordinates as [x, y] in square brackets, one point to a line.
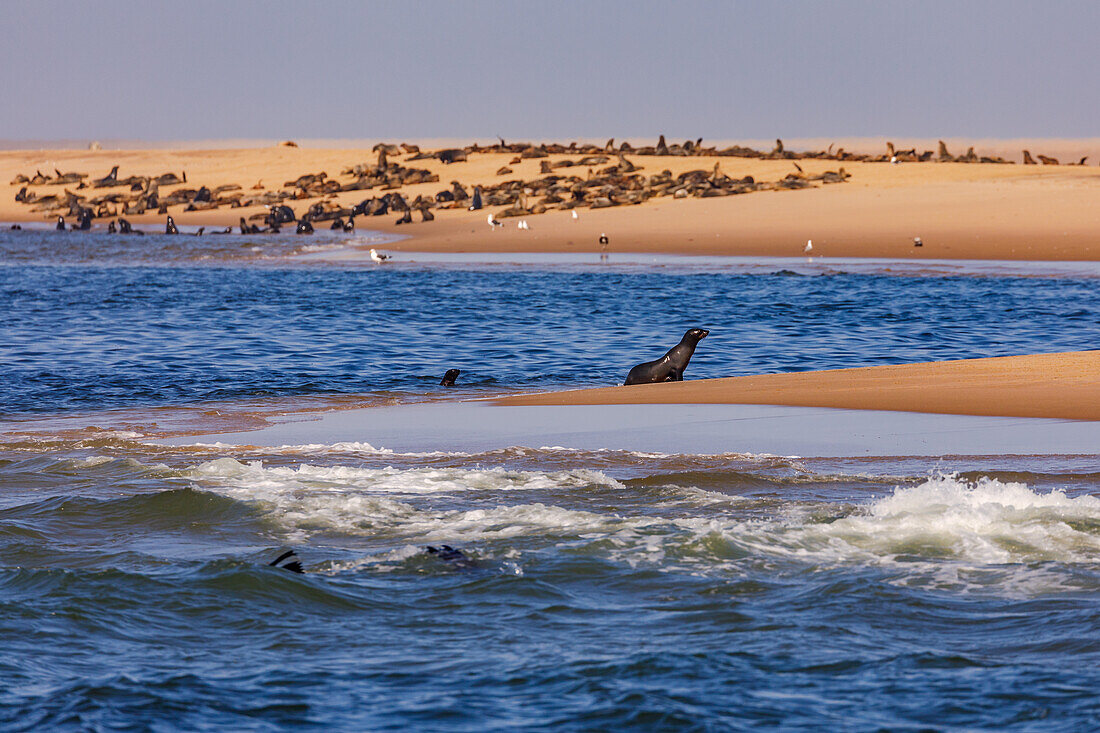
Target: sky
[205, 69]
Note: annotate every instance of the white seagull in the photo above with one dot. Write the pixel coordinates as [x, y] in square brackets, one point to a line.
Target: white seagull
[493, 223]
[522, 224]
[377, 256]
[809, 246]
[575, 217]
[917, 242]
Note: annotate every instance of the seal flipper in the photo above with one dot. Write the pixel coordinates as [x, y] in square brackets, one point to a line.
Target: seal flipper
[293, 566]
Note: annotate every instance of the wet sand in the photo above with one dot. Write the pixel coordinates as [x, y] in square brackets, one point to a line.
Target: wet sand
[1065, 385]
[961, 211]
[688, 429]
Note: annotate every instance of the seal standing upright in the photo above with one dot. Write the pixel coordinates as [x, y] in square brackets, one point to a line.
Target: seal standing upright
[170, 227]
[671, 366]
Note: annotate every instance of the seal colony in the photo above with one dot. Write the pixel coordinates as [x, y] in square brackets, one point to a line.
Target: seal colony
[438, 195]
[610, 179]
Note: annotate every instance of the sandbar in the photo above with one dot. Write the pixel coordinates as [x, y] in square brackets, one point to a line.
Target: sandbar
[960, 211]
[1062, 385]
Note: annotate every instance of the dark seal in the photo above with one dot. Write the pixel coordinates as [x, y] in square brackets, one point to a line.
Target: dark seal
[170, 227]
[449, 378]
[671, 366]
[293, 566]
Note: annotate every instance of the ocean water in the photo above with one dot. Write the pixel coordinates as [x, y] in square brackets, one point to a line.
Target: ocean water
[596, 589]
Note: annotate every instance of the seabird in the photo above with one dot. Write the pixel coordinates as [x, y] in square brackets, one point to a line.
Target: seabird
[493, 223]
[917, 242]
[377, 256]
[575, 217]
[809, 246]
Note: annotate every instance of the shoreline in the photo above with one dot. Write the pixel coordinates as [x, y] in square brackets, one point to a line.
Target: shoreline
[1058, 386]
[960, 210]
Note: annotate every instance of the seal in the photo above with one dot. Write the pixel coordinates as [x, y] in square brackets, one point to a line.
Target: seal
[60, 224]
[293, 566]
[170, 227]
[452, 555]
[671, 366]
[449, 378]
[304, 226]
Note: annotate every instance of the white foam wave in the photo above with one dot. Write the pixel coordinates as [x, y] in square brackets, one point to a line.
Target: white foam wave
[942, 519]
[365, 500]
[945, 530]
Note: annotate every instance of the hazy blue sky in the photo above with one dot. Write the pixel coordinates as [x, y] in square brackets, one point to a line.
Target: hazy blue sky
[198, 69]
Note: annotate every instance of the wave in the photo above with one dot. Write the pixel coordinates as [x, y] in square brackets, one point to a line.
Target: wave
[943, 519]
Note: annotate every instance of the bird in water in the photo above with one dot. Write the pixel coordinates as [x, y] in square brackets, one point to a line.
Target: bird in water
[377, 256]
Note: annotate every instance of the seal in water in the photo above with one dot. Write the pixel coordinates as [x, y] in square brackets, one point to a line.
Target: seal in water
[671, 366]
[170, 227]
[304, 227]
[60, 224]
[293, 566]
[455, 557]
[449, 378]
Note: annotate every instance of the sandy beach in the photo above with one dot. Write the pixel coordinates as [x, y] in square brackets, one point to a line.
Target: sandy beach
[1065, 385]
[960, 210]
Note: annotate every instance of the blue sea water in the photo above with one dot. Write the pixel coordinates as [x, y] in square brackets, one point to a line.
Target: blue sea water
[600, 589]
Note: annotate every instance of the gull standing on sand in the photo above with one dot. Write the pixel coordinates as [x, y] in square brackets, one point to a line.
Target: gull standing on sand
[493, 223]
[917, 242]
[809, 246]
[378, 257]
[575, 217]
